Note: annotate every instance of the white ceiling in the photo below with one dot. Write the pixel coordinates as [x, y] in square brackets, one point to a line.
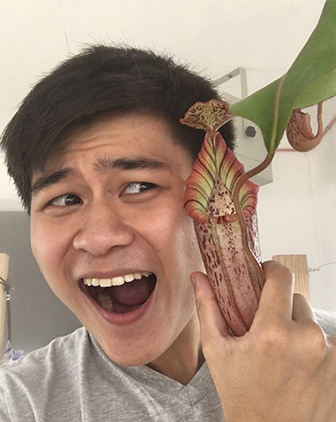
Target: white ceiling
[215, 36]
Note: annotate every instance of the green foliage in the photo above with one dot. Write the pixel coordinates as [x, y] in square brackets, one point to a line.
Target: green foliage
[310, 79]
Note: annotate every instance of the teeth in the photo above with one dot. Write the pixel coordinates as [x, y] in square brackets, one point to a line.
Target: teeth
[95, 282]
[115, 281]
[105, 282]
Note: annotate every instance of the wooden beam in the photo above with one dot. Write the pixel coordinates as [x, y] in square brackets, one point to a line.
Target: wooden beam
[4, 264]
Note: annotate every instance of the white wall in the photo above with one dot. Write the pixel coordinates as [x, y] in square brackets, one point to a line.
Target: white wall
[216, 36]
[297, 212]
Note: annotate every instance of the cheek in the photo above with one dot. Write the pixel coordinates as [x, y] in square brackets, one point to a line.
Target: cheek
[171, 233]
[48, 246]
[164, 229]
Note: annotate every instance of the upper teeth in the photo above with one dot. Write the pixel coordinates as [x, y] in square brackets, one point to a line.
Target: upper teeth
[115, 281]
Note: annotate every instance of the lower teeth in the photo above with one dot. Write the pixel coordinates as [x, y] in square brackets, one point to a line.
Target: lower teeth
[105, 301]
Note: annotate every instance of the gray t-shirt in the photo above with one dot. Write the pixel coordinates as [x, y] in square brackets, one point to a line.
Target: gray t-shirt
[73, 380]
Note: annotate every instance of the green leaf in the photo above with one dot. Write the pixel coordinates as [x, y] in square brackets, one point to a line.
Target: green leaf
[310, 79]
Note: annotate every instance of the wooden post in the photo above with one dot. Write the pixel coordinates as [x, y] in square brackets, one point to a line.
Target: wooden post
[4, 264]
[299, 266]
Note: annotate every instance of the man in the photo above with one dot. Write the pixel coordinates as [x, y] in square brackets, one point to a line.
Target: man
[100, 159]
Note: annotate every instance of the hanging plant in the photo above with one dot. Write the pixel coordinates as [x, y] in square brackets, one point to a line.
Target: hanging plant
[220, 197]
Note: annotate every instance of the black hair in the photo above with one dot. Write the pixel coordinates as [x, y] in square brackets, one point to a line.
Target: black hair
[99, 80]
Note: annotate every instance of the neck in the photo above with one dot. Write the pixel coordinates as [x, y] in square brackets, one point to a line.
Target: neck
[184, 357]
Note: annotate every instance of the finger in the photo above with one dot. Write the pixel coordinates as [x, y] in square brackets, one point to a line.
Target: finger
[302, 310]
[277, 294]
[209, 314]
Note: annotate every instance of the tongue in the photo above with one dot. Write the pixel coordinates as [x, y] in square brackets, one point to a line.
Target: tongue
[134, 293]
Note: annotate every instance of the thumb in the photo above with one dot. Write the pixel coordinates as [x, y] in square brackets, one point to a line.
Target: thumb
[210, 316]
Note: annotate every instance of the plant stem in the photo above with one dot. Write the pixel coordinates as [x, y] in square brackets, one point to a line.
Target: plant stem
[242, 179]
[329, 125]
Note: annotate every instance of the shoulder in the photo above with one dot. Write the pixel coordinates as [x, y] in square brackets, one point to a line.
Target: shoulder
[326, 320]
[56, 354]
[44, 381]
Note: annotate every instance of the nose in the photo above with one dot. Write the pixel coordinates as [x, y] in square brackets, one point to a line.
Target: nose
[101, 229]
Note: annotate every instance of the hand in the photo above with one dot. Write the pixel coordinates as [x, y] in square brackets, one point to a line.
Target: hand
[283, 369]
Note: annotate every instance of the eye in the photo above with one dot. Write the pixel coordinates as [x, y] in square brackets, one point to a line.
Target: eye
[138, 187]
[66, 200]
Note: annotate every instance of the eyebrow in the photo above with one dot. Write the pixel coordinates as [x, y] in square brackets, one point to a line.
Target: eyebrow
[50, 179]
[105, 162]
[126, 163]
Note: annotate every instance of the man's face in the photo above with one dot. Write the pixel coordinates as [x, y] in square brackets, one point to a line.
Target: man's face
[108, 209]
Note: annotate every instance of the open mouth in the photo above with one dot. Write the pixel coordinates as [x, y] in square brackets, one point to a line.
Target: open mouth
[121, 294]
